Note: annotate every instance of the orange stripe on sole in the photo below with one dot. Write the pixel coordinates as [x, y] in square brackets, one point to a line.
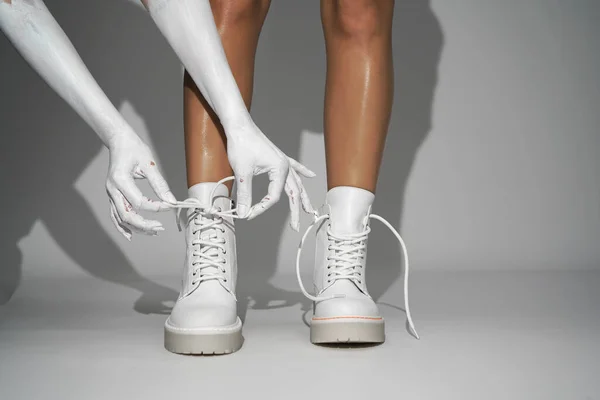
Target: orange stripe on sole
[349, 317]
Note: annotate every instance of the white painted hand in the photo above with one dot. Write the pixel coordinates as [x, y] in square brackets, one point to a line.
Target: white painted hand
[131, 158]
[251, 153]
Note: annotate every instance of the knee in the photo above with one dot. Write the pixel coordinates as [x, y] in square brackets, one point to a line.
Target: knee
[234, 11]
[360, 19]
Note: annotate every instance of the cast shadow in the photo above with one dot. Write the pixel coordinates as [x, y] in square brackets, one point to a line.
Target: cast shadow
[417, 42]
[46, 146]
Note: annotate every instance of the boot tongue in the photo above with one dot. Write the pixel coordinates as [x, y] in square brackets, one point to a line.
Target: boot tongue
[348, 207]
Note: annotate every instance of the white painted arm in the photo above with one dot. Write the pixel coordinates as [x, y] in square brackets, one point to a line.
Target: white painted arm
[37, 36]
[190, 29]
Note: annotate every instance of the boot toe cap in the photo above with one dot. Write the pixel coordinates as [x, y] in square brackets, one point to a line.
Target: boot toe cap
[363, 307]
[192, 316]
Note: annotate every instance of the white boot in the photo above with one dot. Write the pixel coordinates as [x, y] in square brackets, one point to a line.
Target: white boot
[204, 320]
[343, 309]
[341, 253]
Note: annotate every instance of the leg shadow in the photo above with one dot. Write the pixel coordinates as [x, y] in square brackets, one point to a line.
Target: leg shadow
[417, 46]
[45, 146]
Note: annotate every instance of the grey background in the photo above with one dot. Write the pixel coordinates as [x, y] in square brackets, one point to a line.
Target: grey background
[490, 171]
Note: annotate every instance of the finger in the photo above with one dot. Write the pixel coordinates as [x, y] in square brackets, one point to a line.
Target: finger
[292, 191]
[138, 173]
[132, 219]
[120, 228]
[115, 219]
[244, 194]
[304, 199]
[277, 177]
[135, 197]
[159, 184]
[301, 169]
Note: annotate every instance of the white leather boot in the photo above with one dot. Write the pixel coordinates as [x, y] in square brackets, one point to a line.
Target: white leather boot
[343, 309]
[341, 253]
[204, 320]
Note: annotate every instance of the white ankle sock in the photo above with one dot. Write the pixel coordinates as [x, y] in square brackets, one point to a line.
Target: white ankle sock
[348, 207]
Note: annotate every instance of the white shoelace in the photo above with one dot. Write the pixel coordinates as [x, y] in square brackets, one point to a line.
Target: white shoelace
[345, 263]
[208, 264]
[348, 251]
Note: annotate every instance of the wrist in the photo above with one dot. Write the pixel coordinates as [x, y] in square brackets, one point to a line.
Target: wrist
[116, 139]
[238, 125]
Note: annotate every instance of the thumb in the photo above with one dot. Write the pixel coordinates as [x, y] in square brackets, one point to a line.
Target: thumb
[244, 194]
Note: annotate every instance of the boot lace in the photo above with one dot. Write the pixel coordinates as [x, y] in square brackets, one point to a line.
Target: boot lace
[348, 253]
[208, 261]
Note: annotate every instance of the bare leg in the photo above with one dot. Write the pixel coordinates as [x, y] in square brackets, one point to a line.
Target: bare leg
[239, 23]
[359, 89]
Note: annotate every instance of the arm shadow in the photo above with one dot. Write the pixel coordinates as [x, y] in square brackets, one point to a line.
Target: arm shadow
[46, 146]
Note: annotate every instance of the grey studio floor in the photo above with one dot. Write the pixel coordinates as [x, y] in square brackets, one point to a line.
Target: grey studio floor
[486, 335]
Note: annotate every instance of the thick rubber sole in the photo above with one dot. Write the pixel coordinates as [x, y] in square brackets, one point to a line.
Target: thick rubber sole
[347, 330]
[207, 341]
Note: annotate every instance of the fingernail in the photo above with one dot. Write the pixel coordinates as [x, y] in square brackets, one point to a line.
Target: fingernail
[312, 174]
[170, 198]
[158, 228]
